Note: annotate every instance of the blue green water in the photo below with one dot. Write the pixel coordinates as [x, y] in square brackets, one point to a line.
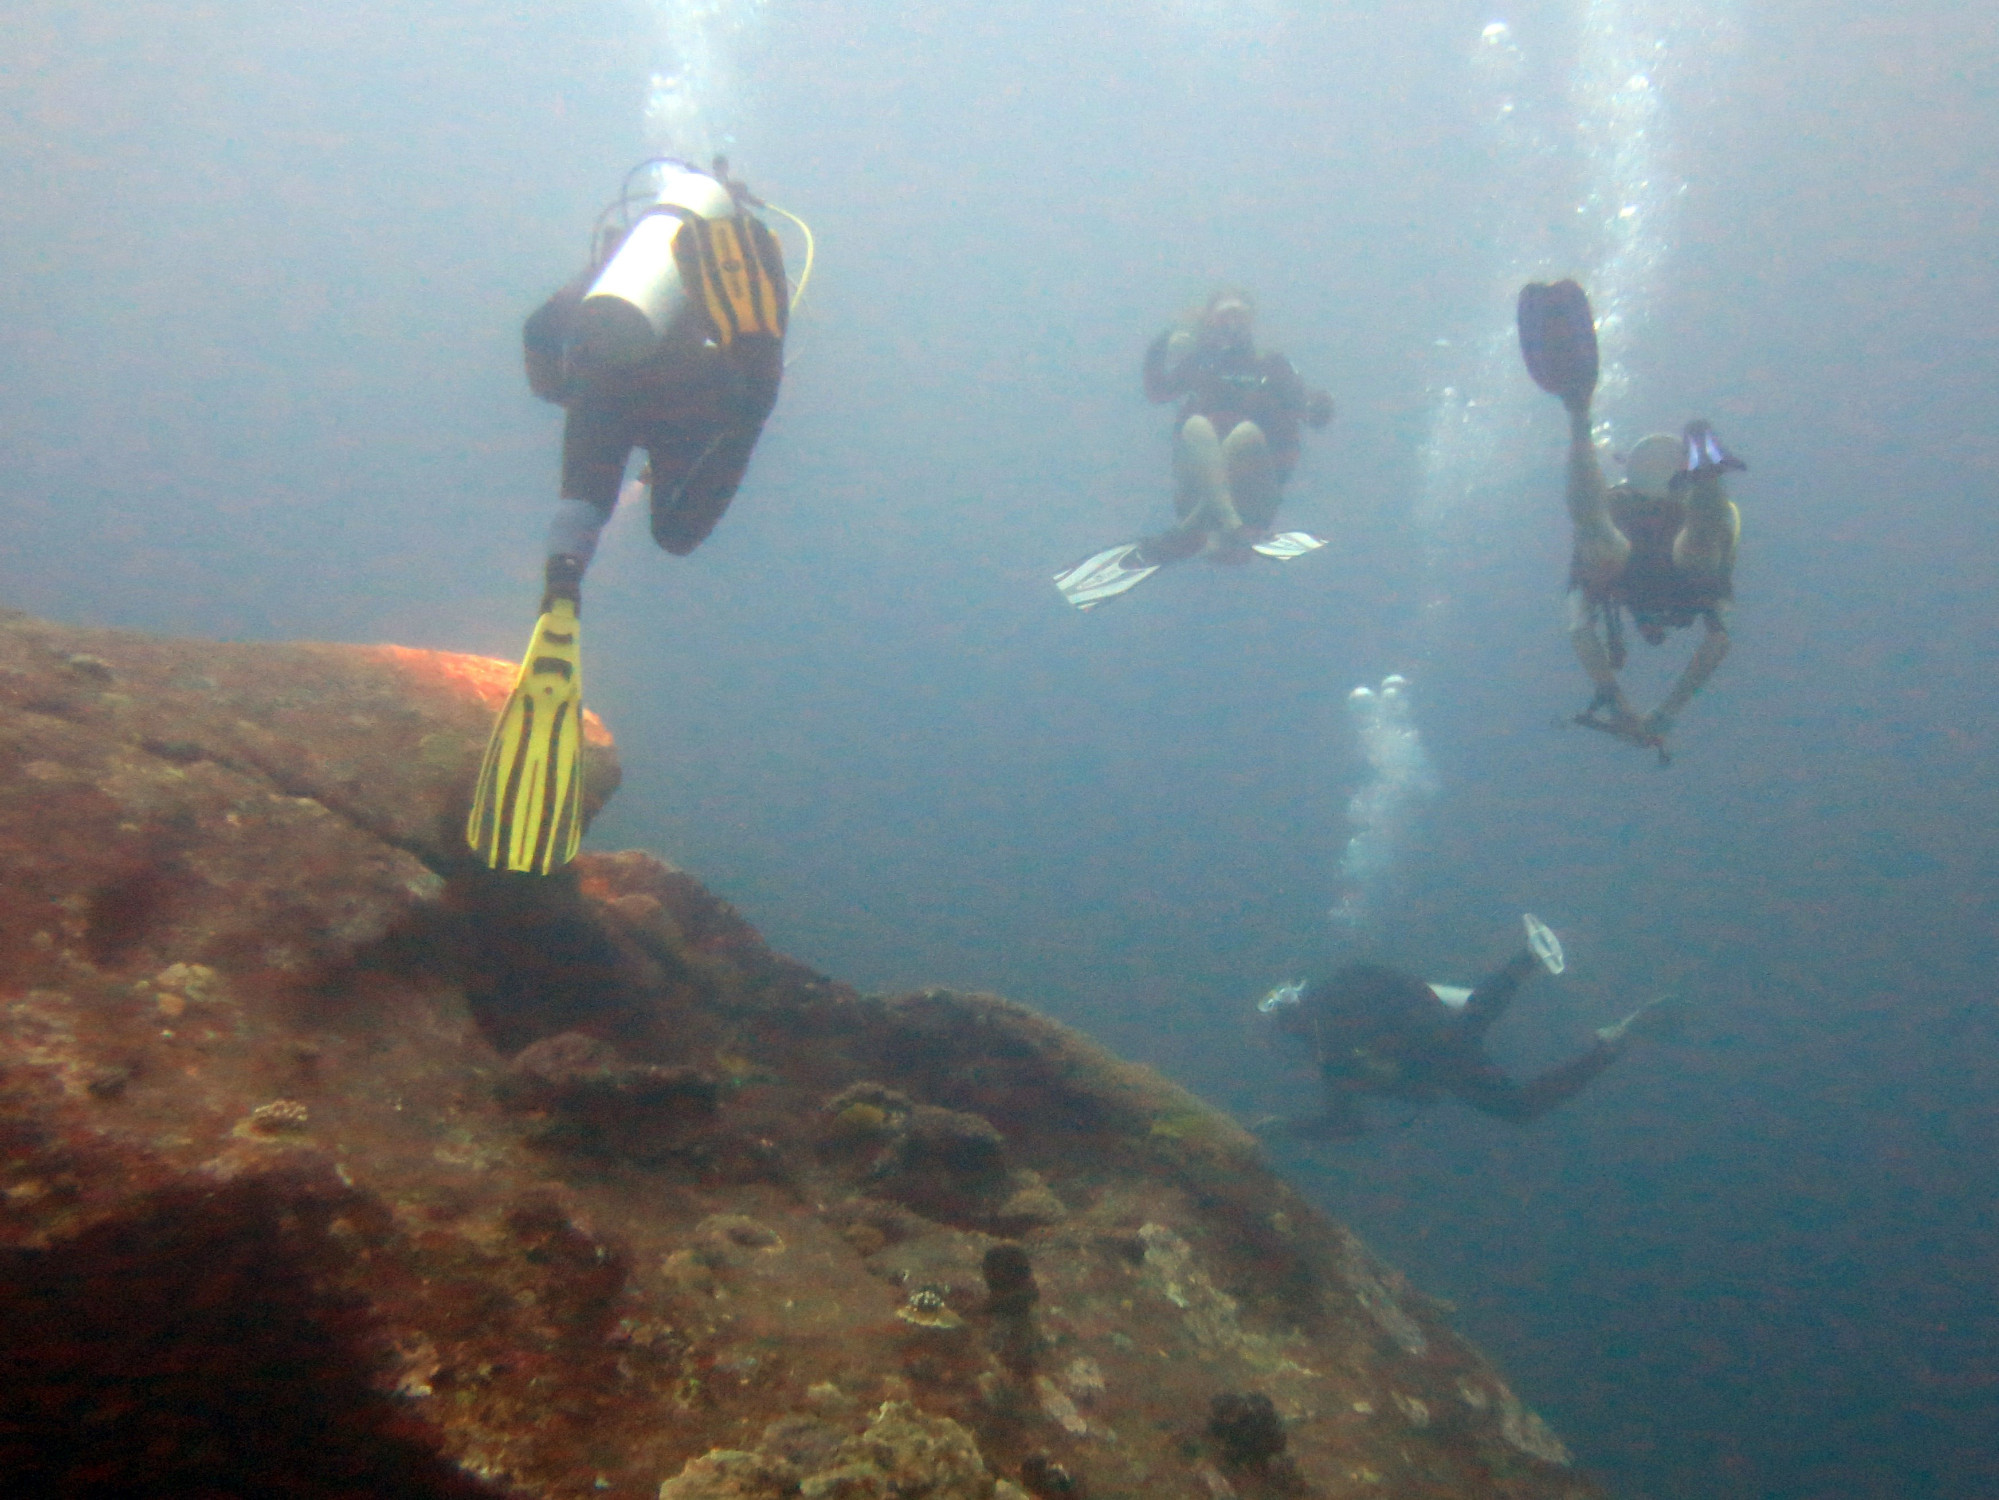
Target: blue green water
[261, 279]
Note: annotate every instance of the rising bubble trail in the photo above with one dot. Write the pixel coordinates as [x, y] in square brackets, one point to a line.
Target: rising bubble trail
[1384, 811]
[693, 105]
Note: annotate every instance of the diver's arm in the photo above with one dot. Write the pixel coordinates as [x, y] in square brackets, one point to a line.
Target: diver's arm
[1707, 656]
[1313, 408]
[1169, 365]
[1601, 549]
[1595, 658]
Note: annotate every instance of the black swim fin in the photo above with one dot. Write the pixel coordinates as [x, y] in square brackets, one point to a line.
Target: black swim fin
[1558, 340]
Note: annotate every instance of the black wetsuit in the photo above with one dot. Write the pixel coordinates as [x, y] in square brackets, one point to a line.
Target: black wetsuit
[697, 408]
[1376, 1030]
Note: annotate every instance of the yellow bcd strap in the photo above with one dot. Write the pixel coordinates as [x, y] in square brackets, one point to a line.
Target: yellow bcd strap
[739, 269]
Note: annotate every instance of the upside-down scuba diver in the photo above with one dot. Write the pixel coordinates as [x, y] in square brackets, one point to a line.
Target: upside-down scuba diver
[670, 340]
[1659, 546]
[1235, 443]
[1380, 1032]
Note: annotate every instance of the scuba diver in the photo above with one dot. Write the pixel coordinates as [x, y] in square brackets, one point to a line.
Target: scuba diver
[1659, 546]
[1379, 1031]
[672, 340]
[1235, 443]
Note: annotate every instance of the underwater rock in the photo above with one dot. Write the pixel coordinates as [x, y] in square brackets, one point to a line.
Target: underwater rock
[729, 1474]
[596, 1103]
[947, 1164]
[905, 1454]
[1245, 1427]
[330, 1163]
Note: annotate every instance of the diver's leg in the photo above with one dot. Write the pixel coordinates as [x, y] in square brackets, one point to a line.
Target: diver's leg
[1253, 481]
[1200, 479]
[1705, 547]
[1488, 1002]
[697, 469]
[595, 446]
[1601, 550]
[1580, 617]
[1491, 1092]
[693, 482]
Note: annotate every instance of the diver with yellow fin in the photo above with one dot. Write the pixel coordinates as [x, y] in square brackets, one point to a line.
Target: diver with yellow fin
[672, 340]
[1660, 546]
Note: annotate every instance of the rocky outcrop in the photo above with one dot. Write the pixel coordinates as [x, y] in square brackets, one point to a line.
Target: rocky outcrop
[331, 1163]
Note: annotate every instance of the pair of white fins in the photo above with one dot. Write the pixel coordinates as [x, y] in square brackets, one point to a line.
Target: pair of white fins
[527, 808]
[1120, 569]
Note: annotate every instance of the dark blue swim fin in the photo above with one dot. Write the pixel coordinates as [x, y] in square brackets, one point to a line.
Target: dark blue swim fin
[1558, 340]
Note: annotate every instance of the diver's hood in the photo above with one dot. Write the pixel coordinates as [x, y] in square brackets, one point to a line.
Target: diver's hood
[1650, 467]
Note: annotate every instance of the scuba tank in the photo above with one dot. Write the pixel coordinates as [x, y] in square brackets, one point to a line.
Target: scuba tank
[639, 297]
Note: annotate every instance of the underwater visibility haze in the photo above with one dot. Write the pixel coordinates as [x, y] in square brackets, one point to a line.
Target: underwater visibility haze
[264, 276]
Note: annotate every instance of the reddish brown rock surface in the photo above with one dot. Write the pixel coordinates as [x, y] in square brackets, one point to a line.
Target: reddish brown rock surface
[334, 1166]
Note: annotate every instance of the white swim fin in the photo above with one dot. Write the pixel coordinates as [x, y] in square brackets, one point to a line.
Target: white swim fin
[1453, 995]
[1547, 947]
[1288, 544]
[1104, 575]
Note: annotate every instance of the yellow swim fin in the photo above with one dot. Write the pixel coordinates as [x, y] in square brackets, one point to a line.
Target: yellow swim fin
[527, 810]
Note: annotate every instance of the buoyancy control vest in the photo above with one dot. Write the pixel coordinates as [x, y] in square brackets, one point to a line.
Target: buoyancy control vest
[1652, 585]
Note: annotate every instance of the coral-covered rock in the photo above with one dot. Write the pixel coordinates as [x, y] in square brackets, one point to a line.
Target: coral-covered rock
[331, 1163]
[595, 1102]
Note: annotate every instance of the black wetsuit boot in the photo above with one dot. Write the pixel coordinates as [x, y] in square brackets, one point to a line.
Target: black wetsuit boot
[563, 579]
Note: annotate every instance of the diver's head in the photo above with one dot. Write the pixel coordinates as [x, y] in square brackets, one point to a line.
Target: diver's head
[1227, 322]
[1651, 465]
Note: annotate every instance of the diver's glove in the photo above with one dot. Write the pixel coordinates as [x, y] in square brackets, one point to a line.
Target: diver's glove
[1610, 716]
[1705, 453]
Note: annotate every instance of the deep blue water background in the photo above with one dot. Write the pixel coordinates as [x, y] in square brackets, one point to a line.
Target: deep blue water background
[261, 280]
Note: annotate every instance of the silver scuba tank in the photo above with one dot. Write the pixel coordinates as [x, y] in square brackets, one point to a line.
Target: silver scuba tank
[637, 299]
